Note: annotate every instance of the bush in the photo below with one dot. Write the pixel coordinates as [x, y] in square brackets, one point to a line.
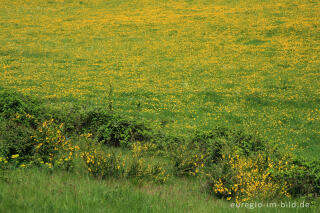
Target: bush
[69, 116]
[165, 144]
[101, 164]
[206, 149]
[113, 130]
[241, 167]
[45, 146]
[303, 177]
[214, 142]
[244, 178]
[91, 120]
[187, 161]
[52, 148]
[16, 139]
[120, 132]
[21, 109]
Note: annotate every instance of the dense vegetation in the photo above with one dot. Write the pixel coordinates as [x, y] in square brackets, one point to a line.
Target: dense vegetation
[228, 163]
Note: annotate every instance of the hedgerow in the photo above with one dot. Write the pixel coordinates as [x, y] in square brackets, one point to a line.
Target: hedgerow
[233, 165]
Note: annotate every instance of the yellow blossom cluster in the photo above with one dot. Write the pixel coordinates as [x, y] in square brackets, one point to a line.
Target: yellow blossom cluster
[101, 165]
[252, 179]
[52, 146]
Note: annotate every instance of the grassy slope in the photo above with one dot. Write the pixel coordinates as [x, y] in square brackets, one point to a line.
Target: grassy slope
[42, 191]
[181, 65]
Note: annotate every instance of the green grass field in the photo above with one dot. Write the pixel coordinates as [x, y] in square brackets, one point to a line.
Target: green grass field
[179, 66]
[40, 191]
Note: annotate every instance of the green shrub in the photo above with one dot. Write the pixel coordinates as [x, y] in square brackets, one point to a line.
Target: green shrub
[241, 167]
[120, 132]
[243, 178]
[206, 149]
[101, 164]
[51, 146]
[45, 146]
[111, 129]
[303, 177]
[187, 161]
[21, 109]
[164, 144]
[214, 142]
[16, 139]
[69, 116]
[91, 120]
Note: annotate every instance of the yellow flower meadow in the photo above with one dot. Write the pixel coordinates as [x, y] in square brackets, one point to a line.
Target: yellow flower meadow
[184, 65]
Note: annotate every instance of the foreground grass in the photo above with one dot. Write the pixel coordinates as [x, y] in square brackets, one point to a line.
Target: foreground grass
[180, 65]
[41, 191]
[36, 190]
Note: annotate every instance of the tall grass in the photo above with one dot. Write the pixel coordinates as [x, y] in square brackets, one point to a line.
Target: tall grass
[34, 190]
